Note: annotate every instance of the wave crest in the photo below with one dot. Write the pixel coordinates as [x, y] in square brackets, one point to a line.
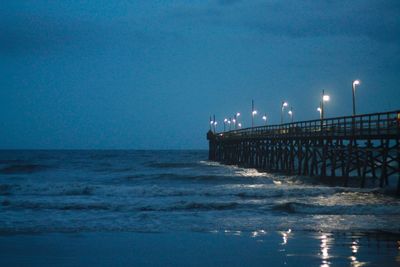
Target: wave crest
[317, 209]
[22, 168]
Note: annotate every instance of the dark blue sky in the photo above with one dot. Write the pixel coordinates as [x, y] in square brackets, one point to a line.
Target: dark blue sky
[148, 74]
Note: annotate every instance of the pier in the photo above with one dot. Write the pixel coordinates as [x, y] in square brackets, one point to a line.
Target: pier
[351, 149]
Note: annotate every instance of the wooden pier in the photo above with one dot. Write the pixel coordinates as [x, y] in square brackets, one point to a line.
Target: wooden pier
[354, 148]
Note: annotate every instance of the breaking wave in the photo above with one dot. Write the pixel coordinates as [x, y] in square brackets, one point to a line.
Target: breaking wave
[317, 209]
[171, 165]
[120, 207]
[22, 168]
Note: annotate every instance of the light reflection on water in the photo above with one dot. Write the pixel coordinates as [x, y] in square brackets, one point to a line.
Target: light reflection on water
[326, 242]
[285, 236]
[353, 258]
[258, 233]
[326, 249]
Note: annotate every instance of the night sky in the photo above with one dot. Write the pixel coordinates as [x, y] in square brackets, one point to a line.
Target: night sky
[148, 74]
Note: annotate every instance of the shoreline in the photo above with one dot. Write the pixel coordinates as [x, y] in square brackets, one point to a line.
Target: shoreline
[226, 248]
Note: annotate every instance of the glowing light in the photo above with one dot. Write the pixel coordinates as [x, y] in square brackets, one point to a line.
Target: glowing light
[354, 248]
[238, 114]
[239, 125]
[215, 123]
[258, 233]
[319, 110]
[229, 122]
[225, 120]
[264, 117]
[290, 112]
[211, 122]
[324, 251]
[254, 112]
[325, 246]
[284, 104]
[285, 236]
[356, 82]
[233, 120]
[326, 98]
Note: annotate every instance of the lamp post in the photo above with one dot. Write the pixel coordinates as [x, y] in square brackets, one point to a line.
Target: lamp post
[215, 123]
[320, 111]
[265, 119]
[229, 123]
[225, 121]
[235, 119]
[355, 83]
[325, 98]
[253, 113]
[284, 104]
[290, 112]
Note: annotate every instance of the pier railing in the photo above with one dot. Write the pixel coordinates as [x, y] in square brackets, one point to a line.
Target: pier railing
[375, 124]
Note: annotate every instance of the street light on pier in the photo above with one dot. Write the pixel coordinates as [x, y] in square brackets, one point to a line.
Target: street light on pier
[290, 112]
[229, 123]
[320, 111]
[265, 118]
[355, 83]
[253, 113]
[225, 121]
[213, 124]
[325, 98]
[235, 119]
[284, 104]
[239, 125]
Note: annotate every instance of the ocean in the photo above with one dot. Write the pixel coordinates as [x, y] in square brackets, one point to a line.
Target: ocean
[120, 191]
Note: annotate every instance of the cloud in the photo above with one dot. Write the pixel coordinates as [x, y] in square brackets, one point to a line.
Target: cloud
[21, 35]
[28, 34]
[228, 2]
[376, 20]
[300, 19]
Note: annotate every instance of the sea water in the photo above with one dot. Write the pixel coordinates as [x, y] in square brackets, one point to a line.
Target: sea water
[159, 191]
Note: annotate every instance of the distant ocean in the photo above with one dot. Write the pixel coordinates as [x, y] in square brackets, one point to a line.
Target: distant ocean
[164, 191]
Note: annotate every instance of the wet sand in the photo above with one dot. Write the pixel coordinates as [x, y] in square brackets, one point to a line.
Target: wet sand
[225, 248]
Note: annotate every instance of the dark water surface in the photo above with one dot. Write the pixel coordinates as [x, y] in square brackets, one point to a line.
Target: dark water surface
[44, 192]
